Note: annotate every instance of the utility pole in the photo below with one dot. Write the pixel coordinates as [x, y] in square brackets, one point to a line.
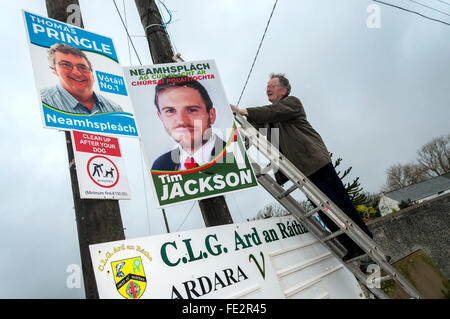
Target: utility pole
[214, 210]
[98, 221]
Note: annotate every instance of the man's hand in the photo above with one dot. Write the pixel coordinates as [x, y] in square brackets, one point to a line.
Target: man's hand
[240, 111]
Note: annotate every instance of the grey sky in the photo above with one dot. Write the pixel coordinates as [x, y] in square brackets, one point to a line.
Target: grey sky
[375, 96]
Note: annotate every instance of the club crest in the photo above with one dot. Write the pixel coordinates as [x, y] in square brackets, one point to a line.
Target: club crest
[129, 277]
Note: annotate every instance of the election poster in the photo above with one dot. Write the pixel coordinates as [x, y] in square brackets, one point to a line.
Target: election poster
[191, 144]
[274, 258]
[100, 168]
[79, 80]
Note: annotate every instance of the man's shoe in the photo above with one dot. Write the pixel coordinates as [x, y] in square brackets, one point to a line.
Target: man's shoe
[364, 264]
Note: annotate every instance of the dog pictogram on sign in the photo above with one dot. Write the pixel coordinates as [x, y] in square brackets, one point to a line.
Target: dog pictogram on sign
[103, 171]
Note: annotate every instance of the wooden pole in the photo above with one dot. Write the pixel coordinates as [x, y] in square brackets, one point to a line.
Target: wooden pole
[98, 221]
[214, 210]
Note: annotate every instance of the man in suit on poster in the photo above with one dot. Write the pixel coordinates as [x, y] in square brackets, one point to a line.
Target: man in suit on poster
[187, 113]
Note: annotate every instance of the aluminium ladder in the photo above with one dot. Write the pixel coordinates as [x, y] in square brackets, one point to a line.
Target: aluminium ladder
[324, 204]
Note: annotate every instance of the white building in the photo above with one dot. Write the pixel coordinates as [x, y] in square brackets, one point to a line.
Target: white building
[415, 193]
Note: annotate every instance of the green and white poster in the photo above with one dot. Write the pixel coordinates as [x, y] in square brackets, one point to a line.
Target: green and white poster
[190, 141]
[263, 259]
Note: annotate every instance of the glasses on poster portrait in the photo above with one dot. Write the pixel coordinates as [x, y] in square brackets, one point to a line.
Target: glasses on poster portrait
[66, 65]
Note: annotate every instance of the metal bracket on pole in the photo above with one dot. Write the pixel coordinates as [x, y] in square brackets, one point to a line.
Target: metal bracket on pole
[177, 58]
[72, 163]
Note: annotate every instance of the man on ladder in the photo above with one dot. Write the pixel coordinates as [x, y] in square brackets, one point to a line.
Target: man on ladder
[304, 147]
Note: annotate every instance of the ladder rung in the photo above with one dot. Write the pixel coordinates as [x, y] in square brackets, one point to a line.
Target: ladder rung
[288, 191]
[376, 274]
[312, 212]
[356, 258]
[334, 235]
[265, 169]
[388, 277]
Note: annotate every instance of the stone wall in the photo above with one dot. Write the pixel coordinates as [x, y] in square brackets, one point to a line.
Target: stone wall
[423, 226]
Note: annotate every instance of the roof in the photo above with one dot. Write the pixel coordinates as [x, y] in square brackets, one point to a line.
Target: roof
[421, 190]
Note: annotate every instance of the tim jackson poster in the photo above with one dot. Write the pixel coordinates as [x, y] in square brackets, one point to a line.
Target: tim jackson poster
[79, 79]
[190, 142]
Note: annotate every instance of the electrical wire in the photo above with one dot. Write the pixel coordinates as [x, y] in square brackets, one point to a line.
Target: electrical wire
[165, 24]
[257, 52]
[411, 11]
[187, 215]
[145, 188]
[126, 29]
[237, 205]
[431, 8]
[126, 25]
[444, 2]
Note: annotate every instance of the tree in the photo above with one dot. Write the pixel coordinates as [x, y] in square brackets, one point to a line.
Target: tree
[434, 156]
[369, 209]
[271, 210]
[432, 160]
[402, 175]
[354, 189]
[372, 199]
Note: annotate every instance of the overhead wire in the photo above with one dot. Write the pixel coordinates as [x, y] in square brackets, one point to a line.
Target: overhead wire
[187, 215]
[126, 25]
[238, 208]
[431, 8]
[128, 34]
[165, 24]
[444, 2]
[145, 187]
[411, 11]
[257, 52]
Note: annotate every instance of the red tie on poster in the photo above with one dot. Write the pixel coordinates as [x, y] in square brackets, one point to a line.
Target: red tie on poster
[190, 163]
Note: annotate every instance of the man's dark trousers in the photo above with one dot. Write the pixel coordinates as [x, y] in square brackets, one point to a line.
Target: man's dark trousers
[327, 180]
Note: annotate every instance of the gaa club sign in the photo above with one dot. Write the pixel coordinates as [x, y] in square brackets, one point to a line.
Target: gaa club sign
[271, 258]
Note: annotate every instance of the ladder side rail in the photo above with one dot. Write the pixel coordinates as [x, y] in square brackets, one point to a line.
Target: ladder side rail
[334, 212]
[318, 231]
[302, 182]
[330, 209]
[292, 206]
[354, 232]
[378, 292]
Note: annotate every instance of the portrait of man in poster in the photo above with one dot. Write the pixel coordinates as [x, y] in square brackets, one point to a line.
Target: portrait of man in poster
[74, 91]
[187, 113]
